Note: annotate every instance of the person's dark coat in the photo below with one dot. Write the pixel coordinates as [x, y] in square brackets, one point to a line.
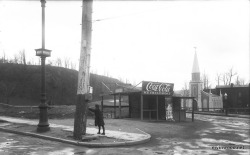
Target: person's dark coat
[98, 117]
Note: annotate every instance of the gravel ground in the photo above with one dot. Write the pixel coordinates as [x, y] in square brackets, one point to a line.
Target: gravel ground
[188, 137]
[198, 137]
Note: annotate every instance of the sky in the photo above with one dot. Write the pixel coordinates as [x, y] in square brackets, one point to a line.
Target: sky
[137, 40]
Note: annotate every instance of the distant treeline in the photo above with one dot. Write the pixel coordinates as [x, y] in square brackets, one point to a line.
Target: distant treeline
[21, 58]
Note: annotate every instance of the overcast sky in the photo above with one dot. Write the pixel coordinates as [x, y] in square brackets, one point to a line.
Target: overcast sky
[151, 41]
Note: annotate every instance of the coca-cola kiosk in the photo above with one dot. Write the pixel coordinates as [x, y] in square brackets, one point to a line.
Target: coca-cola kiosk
[154, 101]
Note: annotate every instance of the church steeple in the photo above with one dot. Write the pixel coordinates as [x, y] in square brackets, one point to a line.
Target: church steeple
[195, 70]
[195, 85]
[195, 64]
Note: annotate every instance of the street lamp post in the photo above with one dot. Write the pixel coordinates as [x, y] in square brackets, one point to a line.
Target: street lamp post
[43, 125]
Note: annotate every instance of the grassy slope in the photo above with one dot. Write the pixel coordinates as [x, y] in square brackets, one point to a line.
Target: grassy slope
[20, 84]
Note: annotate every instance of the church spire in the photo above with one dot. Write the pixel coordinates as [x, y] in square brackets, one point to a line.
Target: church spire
[196, 70]
[195, 85]
[195, 63]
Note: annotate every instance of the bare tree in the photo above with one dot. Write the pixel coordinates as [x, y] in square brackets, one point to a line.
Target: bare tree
[185, 89]
[72, 65]
[127, 81]
[206, 81]
[218, 78]
[22, 57]
[121, 80]
[31, 62]
[239, 81]
[34, 62]
[59, 62]
[16, 59]
[242, 81]
[231, 74]
[94, 71]
[227, 77]
[66, 62]
[50, 62]
[134, 83]
[3, 59]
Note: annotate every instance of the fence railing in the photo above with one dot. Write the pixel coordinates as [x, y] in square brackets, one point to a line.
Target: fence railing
[244, 111]
[225, 111]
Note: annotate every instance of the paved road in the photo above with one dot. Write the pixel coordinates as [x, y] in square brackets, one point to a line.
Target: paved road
[12, 144]
[197, 138]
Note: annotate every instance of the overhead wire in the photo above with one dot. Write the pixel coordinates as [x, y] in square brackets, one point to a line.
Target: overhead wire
[132, 14]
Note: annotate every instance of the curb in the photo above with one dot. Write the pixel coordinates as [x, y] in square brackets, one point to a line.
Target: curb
[230, 115]
[79, 143]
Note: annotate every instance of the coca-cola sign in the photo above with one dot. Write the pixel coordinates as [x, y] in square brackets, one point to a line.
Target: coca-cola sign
[157, 88]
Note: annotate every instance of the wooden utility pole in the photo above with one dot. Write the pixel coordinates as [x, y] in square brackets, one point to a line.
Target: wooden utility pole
[83, 75]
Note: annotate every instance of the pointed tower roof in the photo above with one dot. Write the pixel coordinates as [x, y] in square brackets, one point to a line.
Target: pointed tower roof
[195, 64]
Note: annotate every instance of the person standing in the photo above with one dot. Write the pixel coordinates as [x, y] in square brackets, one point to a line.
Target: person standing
[98, 118]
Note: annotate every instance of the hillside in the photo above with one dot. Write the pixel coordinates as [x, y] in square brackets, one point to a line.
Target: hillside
[21, 84]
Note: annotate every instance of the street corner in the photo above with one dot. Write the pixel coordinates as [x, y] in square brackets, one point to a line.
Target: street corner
[112, 138]
[65, 134]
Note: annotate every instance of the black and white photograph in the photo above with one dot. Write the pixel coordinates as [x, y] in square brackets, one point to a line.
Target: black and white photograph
[124, 77]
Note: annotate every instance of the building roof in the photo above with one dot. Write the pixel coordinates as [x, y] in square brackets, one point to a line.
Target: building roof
[231, 86]
[210, 93]
[196, 68]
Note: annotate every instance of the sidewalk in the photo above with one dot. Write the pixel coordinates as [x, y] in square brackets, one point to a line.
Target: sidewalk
[64, 133]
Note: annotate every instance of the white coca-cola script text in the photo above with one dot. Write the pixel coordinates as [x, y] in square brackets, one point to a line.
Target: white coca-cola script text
[158, 87]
